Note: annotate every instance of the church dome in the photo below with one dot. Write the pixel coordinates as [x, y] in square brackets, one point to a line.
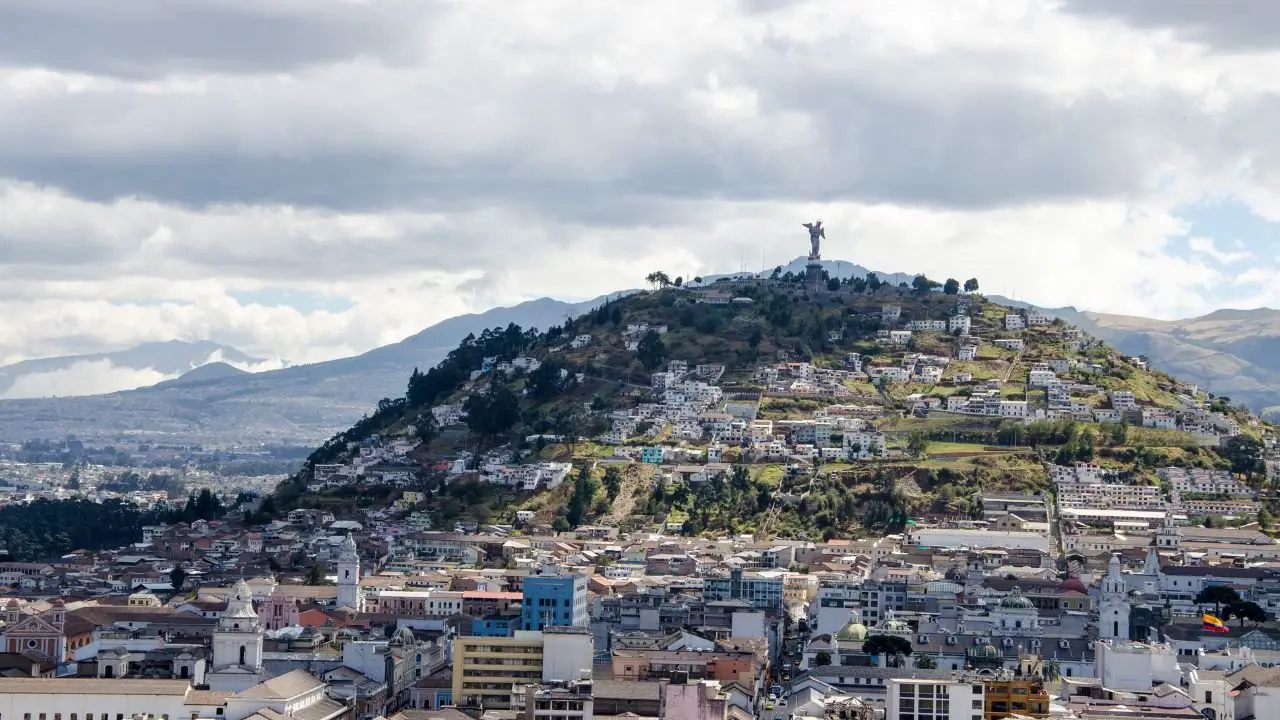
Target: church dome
[985, 650]
[404, 637]
[1073, 584]
[1015, 601]
[852, 631]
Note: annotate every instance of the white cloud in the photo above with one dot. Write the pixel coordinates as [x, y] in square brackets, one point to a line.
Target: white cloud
[420, 159]
[1208, 247]
[90, 377]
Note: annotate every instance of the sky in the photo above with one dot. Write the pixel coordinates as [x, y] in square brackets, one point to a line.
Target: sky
[309, 179]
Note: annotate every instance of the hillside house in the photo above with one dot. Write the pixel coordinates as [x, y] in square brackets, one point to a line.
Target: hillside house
[1123, 400]
[927, 325]
[863, 444]
[889, 314]
[1009, 343]
[959, 324]
[1013, 321]
[580, 342]
[1041, 378]
[967, 352]
[893, 337]
[1035, 318]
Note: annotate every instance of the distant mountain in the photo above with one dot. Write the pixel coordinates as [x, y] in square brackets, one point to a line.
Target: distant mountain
[213, 372]
[303, 404]
[146, 364]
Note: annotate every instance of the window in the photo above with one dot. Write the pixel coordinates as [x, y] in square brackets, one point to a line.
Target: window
[1208, 696]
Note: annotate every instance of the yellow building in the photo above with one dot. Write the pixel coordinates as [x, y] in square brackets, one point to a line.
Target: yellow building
[1022, 694]
[486, 669]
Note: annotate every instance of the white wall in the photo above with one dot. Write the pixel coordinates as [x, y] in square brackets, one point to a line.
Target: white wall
[566, 656]
[17, 705]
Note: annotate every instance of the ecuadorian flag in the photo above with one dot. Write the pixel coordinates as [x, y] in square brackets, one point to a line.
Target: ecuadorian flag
[1213, 624]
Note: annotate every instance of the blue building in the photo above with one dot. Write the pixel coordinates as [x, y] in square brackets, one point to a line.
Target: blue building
[554, 600]
[652, 455]
[495, 626]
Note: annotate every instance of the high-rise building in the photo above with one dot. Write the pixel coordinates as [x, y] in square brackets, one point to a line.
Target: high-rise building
[551, 600]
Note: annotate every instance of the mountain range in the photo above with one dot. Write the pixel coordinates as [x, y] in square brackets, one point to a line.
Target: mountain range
[98, 373]
[1229, 352]
[304, 404]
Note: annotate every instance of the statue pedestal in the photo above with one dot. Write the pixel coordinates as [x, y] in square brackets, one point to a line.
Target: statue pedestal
[813, 273]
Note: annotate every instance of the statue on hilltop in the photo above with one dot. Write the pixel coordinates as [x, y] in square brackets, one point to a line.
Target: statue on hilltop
[816, 235]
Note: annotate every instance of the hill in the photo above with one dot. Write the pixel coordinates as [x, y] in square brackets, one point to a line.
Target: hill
[836, 410]
[1232, 353]
[213, 372]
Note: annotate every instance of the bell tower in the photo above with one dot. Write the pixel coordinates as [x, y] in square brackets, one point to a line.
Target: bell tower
[349, 575]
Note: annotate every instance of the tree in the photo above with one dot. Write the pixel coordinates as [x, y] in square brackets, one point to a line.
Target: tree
[873, 282]
[1265, 518]
[651, 351]
[424, 427]
[584, 491]
[1219, 595]
[1245, 454]
[971, 285]
[679, 281]
[698, 279]
[177, 576]
[560, 524]
[314, 576]
[1245, 610]
[493, 413]
[922, 285]
[926, 662]
[612, 481]
[658, 279]
[951, 286]
[918, 444]
[833, 284]
[822, 659]
[891, 646]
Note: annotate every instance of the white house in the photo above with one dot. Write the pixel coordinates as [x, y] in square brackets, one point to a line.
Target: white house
[967, 352]
[960, 324]
[1035, 318]
[580, 341]
[1013, 321]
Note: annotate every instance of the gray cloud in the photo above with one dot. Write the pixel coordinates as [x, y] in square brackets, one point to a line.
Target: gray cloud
[420, 159]
[1223, 24]
[151, 38]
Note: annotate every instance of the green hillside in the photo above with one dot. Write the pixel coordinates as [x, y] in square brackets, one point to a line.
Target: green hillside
[934, 463]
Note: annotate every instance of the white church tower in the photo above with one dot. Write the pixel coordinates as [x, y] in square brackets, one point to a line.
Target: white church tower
[237, 644]
[1113, 610]
[349, 575]
[1168, 536]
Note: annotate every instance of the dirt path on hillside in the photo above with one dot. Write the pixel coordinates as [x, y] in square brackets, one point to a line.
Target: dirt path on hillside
[635, 484]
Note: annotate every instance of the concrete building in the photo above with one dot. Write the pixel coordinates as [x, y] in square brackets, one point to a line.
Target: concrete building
[934, 699]
[554, 600]
[489, 670]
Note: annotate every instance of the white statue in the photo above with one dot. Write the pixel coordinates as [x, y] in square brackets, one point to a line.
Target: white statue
[816, 235]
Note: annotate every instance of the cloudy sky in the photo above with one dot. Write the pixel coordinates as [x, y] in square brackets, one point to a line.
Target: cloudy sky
[312, 178]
